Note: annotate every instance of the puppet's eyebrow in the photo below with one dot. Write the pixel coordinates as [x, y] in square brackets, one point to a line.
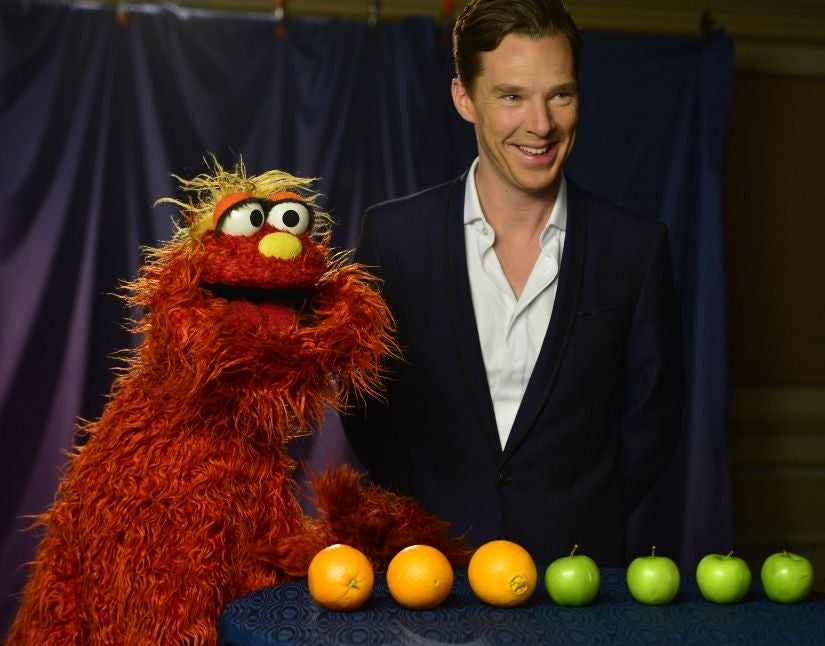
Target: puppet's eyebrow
[226, 203]
[281, 196]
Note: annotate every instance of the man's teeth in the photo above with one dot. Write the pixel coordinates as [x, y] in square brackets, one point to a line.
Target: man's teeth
[534, 151]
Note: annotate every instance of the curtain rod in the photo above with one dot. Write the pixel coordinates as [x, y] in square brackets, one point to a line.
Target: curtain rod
[371, 11]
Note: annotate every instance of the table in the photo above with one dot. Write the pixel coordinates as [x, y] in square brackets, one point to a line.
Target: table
[286, 614]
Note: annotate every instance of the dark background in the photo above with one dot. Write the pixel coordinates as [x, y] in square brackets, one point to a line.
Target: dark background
[95, 113]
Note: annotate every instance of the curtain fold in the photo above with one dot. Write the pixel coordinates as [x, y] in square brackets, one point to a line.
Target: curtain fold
[94, 116]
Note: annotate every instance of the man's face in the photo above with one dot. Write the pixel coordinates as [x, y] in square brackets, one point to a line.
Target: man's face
[524, 107]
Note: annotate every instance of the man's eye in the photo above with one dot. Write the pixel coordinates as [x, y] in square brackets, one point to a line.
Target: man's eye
[246, 219]
[564, 97]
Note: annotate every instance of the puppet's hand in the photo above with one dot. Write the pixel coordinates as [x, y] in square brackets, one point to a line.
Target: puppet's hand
[364, 516]
[361, 329]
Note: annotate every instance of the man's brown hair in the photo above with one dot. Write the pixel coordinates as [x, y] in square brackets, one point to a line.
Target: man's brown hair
[484, 23]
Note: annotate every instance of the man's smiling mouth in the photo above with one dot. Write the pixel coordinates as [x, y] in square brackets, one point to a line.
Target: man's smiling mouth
[534, 151]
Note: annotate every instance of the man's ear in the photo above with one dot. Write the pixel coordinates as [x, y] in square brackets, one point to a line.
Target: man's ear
[462, 101]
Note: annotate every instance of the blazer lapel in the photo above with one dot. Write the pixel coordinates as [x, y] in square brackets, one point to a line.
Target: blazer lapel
[562, 320]
[462, 316]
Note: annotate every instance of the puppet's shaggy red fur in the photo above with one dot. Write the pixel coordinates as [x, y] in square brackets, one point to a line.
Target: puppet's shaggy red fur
[379, 522]
[184, 494]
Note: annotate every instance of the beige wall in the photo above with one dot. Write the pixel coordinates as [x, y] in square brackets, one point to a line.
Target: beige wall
[774, 206]
[774, 224]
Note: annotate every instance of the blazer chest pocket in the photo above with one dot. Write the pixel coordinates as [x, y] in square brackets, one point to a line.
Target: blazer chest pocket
[597, 351]
[606, 326]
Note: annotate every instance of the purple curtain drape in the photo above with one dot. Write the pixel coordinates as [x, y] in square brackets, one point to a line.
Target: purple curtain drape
[95, 115]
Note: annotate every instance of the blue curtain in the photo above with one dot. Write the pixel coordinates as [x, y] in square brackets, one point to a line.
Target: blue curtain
[650, 137]
[96, 114]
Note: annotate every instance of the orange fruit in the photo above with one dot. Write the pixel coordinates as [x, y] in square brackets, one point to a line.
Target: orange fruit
[419, 577]
[340, 578]
[502, 573]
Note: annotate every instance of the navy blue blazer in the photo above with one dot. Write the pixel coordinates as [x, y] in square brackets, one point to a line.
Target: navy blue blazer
[602, 412]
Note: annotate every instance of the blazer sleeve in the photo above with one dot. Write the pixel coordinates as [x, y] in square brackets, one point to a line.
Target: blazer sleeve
[368, 252]
[367, 416]
[654, 383]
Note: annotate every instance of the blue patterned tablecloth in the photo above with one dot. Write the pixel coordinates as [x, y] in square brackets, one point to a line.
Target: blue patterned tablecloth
[286, 614]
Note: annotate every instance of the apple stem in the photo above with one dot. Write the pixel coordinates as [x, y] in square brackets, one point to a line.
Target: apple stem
[729, 554]
[573, 551]
[653, 551]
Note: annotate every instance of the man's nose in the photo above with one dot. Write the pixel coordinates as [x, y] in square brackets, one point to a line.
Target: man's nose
[540, 119]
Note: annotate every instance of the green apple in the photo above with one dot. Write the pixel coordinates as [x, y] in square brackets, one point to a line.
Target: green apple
[572, 580]
[653, 580]
[787, 577]
[723, 578]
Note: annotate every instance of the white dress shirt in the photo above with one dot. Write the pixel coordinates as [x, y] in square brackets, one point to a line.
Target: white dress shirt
[511, 330]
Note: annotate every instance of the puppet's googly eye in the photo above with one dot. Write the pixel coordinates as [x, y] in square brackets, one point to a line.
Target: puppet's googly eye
[294, 217]
[246, 219]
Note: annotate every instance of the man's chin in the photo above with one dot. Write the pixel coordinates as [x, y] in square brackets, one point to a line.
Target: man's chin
[543, 185]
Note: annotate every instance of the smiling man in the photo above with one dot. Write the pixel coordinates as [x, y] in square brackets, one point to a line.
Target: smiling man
[541, 390]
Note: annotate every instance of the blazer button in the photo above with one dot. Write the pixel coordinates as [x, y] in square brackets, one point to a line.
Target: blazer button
[504, 478]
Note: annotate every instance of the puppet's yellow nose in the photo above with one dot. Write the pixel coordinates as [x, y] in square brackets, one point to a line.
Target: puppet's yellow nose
[280, 245]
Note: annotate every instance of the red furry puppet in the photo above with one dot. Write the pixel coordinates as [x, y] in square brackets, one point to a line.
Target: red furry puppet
[184, 496]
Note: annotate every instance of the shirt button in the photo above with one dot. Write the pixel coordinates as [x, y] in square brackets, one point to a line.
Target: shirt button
[485, 231]
[504, 478]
